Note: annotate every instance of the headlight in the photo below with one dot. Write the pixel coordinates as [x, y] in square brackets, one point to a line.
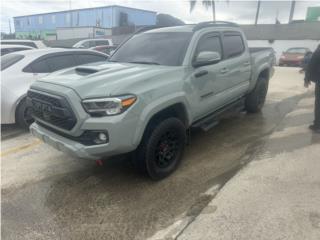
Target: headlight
[108, 106]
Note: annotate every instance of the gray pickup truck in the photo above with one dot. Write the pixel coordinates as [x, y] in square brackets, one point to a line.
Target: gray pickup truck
[154, 88]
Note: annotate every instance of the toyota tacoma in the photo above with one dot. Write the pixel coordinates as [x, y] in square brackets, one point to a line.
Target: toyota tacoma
[154, 88]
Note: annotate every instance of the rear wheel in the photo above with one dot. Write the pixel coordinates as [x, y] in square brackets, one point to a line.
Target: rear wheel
[161, 149]
[23, 115]
[256, 99]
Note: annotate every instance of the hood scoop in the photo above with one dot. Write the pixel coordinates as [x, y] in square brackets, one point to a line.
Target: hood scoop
[86, 70]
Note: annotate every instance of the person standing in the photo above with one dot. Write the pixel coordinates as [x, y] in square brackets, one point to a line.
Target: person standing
[305, 61]
[313, 75]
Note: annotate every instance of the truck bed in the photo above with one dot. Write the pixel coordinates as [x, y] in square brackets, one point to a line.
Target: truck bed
[258, 49]
[261, 57]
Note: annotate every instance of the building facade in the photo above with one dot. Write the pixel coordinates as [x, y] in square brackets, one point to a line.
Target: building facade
[44, 26]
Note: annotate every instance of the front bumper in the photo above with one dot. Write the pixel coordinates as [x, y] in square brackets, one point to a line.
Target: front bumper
[121, 129]
[77, 149]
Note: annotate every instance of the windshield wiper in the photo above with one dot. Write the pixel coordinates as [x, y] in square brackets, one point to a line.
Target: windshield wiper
[143, 62]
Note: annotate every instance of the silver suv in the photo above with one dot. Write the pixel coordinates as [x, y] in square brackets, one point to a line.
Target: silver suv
[157, 85]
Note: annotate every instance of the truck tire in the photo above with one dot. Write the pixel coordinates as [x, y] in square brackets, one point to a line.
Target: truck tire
[256, 99]
[161, 148]
[23, 115]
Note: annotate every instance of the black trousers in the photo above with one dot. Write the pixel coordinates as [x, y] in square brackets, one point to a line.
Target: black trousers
[317, 105]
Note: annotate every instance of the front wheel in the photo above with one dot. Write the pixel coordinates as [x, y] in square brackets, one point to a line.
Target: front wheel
[161, 149]
[23, 115]
[256, 99]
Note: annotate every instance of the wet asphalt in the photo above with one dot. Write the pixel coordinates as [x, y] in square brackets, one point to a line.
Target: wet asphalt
[49, 195]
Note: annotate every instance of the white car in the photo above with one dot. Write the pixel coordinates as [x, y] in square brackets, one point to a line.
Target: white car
[90, 43]
[5, 49]
[30, 43]
[19, 70]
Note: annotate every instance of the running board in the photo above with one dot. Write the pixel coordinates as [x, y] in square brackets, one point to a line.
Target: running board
[212, 120]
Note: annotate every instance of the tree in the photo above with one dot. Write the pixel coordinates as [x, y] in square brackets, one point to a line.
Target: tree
[168, 20]
[207, 4]
[257, 12]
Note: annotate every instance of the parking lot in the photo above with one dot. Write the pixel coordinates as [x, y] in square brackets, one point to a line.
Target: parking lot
[47, 194]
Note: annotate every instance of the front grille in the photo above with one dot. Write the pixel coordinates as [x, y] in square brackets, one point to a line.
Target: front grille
[51, 109]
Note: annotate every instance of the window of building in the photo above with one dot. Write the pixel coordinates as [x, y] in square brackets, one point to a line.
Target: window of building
[123, 19]
[53, 19]
[18, 23]
[28, 21]
[78, 19]
[68, 18]
[40, 19]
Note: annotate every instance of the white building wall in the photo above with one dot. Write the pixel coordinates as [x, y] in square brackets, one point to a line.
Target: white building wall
[82, 32]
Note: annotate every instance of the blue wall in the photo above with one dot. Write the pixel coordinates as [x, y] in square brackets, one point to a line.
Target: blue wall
[106, 17]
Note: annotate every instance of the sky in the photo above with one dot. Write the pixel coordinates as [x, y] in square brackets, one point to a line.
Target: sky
[242, 12]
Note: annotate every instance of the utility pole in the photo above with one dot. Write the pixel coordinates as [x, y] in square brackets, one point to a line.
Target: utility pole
[213, 10]
[293, 5]
[10, 26]
[257, 13]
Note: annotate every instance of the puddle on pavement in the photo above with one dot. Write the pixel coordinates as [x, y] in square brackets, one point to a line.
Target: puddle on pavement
[9, 131]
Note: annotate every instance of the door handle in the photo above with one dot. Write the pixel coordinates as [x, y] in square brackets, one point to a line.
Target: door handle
[224, 70]
[201, 73]
[246, 64]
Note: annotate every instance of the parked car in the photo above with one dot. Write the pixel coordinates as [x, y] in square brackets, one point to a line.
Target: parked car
[19, 70]
[5, 49]
[293, 57]
[155, 87]
[104, 49]
[89, 43]
[30, 43]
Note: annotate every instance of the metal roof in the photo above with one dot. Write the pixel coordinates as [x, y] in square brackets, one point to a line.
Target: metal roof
[84, 9]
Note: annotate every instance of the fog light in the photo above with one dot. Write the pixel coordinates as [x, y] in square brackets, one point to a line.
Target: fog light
[101, 138]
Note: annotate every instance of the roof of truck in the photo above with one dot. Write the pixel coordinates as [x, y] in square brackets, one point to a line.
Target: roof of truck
[193, 27]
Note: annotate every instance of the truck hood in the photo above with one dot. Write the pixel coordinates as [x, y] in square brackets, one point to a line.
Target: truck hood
[105, 79]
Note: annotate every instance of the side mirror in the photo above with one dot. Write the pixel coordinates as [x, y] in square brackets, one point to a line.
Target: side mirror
[206, 58]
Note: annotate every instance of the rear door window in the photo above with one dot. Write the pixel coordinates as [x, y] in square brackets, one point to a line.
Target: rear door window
[9, 60]
[38, 66]
[89, 58]
[29, 44]
[5, 51]
[61, 61]
[19, 49]
[92, 43]
[233, 45]
[102, 42]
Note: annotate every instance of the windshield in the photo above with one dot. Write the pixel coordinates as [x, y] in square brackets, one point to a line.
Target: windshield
[165, 48]
[297, 50]
[10, 59]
